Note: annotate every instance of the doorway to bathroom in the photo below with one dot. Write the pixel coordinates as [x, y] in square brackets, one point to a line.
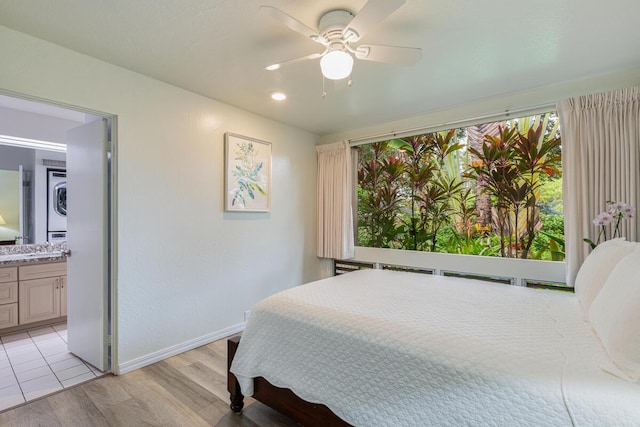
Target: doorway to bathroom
[89, 140]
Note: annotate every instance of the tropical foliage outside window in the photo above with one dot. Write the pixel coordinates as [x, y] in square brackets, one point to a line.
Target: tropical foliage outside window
[493, 189]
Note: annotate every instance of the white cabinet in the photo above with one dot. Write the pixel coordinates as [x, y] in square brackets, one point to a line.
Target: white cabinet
[39, 300]
[32, 292]
[8, 297]
[39, 271]
[8, 274]
[8, 315]
[43, 293]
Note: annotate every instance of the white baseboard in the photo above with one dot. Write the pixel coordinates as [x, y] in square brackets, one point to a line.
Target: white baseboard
[165, 353]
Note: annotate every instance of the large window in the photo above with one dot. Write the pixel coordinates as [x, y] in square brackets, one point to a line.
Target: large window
[492, 189]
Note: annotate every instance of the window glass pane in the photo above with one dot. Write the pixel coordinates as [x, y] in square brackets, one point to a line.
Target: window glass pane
[492, 189]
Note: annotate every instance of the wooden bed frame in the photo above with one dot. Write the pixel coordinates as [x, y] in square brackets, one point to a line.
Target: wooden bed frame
[282, 400]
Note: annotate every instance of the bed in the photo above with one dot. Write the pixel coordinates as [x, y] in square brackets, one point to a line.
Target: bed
[379, 347]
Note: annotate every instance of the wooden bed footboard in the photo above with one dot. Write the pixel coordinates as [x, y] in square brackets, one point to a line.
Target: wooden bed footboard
[282, 400]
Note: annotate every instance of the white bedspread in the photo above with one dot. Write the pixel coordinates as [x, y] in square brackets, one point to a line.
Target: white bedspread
[390, 348]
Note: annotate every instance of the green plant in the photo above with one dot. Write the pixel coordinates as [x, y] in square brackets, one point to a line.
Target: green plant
[380, 199]
[465, 244]
[464, 212]
[419, 171]
[510, 164]
[415, 192]
[550, 199]
[556, 246]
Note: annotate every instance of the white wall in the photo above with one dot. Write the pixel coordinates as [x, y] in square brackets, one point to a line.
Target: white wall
[186, 269]
[496, 105]
[12, 157]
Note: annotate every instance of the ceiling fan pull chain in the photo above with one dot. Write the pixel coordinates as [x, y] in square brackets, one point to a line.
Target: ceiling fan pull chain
[324, 93]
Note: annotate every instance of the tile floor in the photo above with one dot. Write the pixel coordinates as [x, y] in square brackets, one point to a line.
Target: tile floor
[36, 363]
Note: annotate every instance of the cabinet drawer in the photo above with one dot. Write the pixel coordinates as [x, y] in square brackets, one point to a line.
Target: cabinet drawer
[8, 292]
[8, 315]
[8, 274]
[38, 271]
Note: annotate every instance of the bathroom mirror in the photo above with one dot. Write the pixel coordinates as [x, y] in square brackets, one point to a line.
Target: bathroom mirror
[9, 206]
[32, 147]
[24, 190]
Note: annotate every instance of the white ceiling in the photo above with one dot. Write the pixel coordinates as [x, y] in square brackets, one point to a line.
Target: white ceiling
[471, 50]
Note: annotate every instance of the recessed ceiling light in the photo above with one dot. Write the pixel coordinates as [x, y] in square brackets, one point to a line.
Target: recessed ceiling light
[278, 96]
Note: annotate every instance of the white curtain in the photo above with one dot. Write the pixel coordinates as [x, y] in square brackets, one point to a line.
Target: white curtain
[335, 219]
[601, 162]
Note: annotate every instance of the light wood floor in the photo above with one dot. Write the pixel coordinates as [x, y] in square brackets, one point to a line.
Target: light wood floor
[185, 390]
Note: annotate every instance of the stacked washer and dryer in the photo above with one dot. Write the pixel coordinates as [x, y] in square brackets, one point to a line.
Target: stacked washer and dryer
[56, 205]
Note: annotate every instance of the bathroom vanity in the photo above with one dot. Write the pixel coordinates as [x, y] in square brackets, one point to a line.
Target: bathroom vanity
[33, 290]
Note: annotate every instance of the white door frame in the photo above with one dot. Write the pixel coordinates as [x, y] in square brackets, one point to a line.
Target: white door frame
[112, 249]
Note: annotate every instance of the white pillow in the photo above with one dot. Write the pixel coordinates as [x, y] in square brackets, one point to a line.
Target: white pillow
[597, 267]
[615, 315]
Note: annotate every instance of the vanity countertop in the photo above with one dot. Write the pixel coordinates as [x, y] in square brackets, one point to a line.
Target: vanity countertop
[20, 254]
[31, 258]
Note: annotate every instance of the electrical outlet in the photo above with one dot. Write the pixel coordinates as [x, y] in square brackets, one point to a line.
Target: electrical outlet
[246, 315]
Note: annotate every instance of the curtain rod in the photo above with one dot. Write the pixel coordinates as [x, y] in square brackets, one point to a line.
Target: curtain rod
[424, 129]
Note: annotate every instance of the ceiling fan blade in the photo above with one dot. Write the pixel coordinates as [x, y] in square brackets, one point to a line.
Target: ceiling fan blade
[273, 67]
[371, 14]
[390, 54]
[293, 23]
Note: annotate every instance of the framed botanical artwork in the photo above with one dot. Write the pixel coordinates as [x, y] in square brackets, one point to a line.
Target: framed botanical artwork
[247, 174]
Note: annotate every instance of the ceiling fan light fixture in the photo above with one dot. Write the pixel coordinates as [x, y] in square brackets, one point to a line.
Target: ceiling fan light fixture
[336, 65]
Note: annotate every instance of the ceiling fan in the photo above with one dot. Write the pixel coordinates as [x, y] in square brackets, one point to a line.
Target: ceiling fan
[339, 30]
